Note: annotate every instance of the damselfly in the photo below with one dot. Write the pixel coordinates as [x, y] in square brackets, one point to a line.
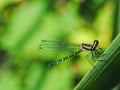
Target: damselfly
[92, 48]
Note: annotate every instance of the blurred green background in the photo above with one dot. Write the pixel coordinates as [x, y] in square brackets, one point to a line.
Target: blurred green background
[24, 23]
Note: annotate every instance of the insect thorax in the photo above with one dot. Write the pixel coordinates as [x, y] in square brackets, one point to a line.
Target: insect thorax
[86, 47]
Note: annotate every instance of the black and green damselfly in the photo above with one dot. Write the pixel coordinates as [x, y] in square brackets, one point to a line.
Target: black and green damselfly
[92, 48]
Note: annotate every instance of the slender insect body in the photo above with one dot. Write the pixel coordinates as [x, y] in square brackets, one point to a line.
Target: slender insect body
[65, 58]
[92, 48]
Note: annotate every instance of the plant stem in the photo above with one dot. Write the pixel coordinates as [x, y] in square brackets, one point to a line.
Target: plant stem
[105, 74]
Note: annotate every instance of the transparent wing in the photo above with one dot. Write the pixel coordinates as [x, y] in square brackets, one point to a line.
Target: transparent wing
[53, 50]
[49, 46]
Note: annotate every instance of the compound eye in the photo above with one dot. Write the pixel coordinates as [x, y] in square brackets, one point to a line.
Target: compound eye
[96, 41]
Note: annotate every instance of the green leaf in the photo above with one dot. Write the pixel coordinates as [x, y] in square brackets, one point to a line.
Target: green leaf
[24, 24]
[105, 74]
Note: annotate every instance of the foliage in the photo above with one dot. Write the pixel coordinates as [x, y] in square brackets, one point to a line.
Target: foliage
[24, 23]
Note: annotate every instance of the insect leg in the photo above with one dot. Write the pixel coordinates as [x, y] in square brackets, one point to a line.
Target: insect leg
[96, 55]
[89, 59]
